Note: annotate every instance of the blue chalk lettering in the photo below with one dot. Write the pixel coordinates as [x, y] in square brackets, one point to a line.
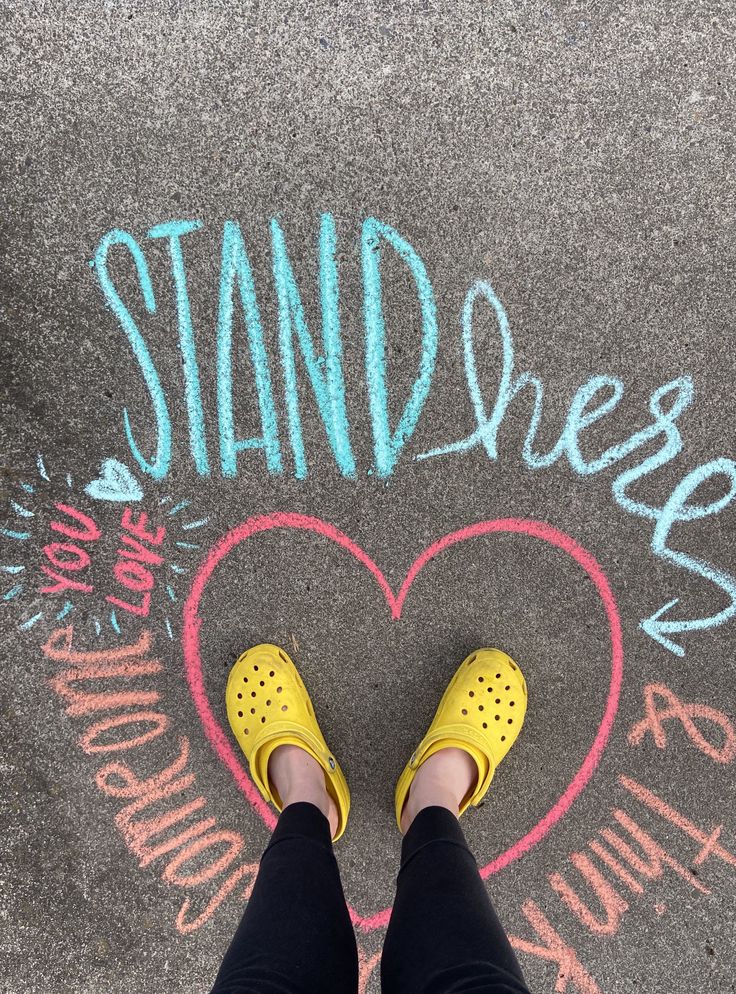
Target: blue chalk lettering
[328, 386]
[174, 230]
[387, 446]
[663, 424]
[578, 418]
[159, 467]
[236, 266]
[486, 432]
[678, 509]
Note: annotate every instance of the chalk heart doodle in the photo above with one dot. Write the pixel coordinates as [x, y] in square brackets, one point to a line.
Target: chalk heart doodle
[115, 483]
[220, 740]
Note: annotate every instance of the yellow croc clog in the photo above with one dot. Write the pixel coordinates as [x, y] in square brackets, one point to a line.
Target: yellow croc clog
[482, 712]
[268, 706]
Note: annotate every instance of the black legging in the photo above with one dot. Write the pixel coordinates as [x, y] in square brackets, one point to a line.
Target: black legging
[295, 936]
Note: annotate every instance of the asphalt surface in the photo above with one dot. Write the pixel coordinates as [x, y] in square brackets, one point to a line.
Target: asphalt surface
[579, 159]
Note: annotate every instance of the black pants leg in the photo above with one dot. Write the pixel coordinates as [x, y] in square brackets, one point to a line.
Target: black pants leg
[295, 936]
[444, 936]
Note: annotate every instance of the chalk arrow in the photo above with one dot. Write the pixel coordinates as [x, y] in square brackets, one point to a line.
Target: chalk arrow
[659, 629]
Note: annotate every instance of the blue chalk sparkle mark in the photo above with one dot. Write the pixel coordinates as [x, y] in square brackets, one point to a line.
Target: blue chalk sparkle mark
[178, 507]
[170, 592]
[194, 524]
[187, 545]
[22, 511]
[69, 481]
[12, 569]
[31, 621]
[68, 606]
[98, 627]
[168, 629]
[114, 622]
[13, 592]
[20, 536]
[174, 567]
[42, 468]
[28, 488]
[165, 500]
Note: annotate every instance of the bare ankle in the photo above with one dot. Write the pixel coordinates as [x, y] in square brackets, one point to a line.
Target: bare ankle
[297, 776]
[443, 781]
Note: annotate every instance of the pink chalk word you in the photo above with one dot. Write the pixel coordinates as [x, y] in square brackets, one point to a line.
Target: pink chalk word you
[68, 563]
[535, 529]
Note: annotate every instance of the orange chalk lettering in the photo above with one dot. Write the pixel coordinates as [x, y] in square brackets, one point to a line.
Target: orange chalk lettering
[186, 926]
[172, 874]
[613, 864]
[708, 841]
[59, 648]
[655, 857]
[88, 741]
[570, 970]
[655, 717]
[612, 903]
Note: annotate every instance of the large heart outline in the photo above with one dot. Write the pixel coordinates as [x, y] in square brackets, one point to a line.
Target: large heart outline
[192, 624]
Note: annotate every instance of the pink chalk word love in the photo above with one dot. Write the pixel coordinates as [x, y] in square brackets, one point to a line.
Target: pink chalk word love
[235, 762]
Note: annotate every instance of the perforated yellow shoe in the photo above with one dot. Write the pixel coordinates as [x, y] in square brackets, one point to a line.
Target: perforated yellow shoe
[268, 706]
[482, 712]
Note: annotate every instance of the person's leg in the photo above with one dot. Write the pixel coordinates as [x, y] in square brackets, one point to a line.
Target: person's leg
[295, 936]
[444, 936]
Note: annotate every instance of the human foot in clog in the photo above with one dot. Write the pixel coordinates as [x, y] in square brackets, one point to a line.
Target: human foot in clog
[273, 720]
[478, 720]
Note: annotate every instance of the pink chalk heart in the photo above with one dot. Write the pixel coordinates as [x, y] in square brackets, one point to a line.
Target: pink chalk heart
[235, 761]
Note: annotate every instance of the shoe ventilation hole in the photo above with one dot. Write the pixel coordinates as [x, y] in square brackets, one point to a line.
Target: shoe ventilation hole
[498, 700]
[263, 684]
[498, 716]
[464, 711]
[513, 666]
[285, 658]
[471, 694]
[271, 673]
[245, 679]
[252, 693]
[284, 707]
[246, 731]
[480, 707]
[480, 679]
[268, 704]
[485, 724]
[511, 704]
[279, 689]
[510, 721]
[490, 690]
[263, 720]
[507, 687]
[255, 668]
[498, 676]
[240, 696]
[503, 738]
[252, 710]
[240, 714]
